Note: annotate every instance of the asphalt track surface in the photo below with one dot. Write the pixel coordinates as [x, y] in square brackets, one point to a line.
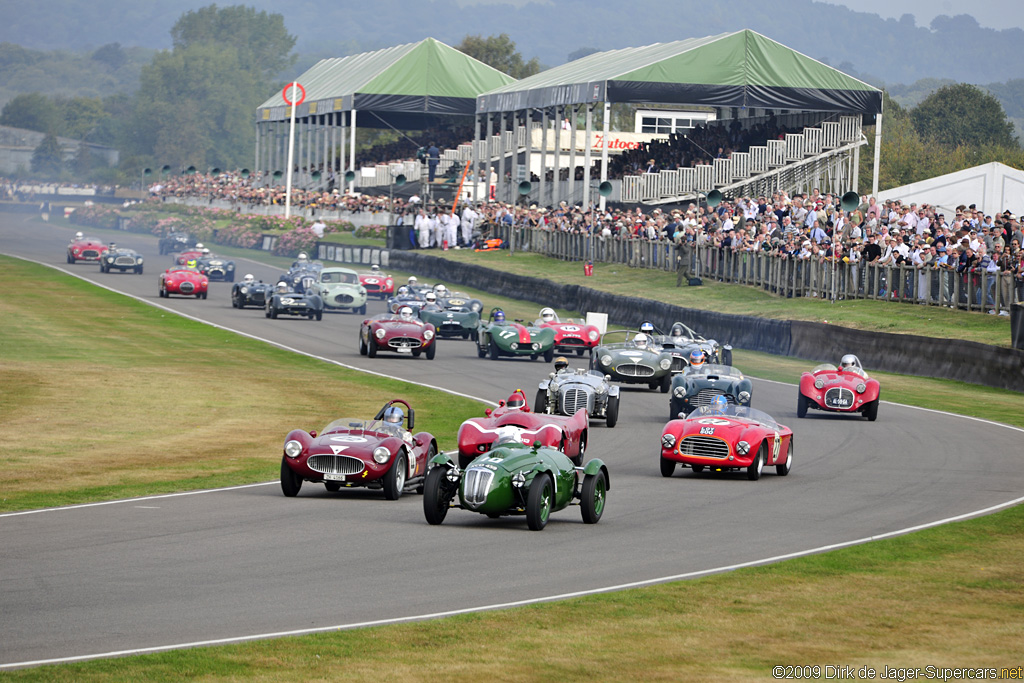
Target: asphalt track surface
[160, 572]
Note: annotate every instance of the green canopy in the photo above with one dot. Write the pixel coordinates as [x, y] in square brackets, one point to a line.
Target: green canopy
[402, 85]
[740, 69]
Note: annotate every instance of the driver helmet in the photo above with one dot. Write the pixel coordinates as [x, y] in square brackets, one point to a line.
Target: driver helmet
[248, 279]
[640, 341]
[112, 246]
[719, 404]
[394, 415]
[508, 434]
[282, 287]
[199, 246]
[302, 257]
[646, 327]
[79, 235]
[561, 364]
[405, 313]
[403, 291]
[430, 298]
[374, 268]
[548, 316]
[516, 400]
[413, 280]
[848, 361]
[677, 330]
[696, 358]
[499, 316]
[440, 290]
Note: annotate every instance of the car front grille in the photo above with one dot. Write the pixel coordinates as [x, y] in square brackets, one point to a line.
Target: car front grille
[343, 299]
[404, 343]
[571, 341]
[477, 482]
[634, 370]
[704, 397]
[186, 287]
[574, 399]
[124, 261]
[90, 253]
[704, 447]
[839, 398]
[373, 289]
[215, 272]
[335, 464]
[678, 363]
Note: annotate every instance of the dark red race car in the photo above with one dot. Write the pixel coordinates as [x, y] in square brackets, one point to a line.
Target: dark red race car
[377, 283]
[86, 249]
[381, 453]
[567, 434]
[183, 280]
[571, 334]
[191, 255]
[846, 389]
[722, 437]
[401, 333]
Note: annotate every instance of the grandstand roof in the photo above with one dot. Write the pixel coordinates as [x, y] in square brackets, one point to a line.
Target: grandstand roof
[740, 69]
[402, 84]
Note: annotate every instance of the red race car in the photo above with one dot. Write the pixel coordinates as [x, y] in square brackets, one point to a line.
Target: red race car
[401, 333]
[86, 249]
[846, 389]
[567, 434]
[570, 334]
[377, 283]
[191, 255]
[183, 280]
[381, 453]
[723, 437]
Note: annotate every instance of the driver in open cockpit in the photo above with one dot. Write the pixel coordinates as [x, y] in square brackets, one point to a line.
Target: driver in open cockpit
[392, 422]
[507, 436]
[640, 340]
[677, 330]
[719, 404]
[850, 362]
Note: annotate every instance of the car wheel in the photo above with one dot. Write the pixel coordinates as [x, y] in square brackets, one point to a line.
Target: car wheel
[540, 403]
[234, 302]
[539, 501]
[362, 345]
[139, 270]
[674, 408]
[494, 350]
[332, 486]
[549, 355]
[362, 310]
[311, 315]
[267, 312]
[579, 352]
[394, 480]
[481, 352]
[697, 468]
[70, 260]
[871, 412]
[726, 356]
[754, 471]
[666, 383]
[653, 386]
[232, 278]
[533, 356]
[290, 481]
[204, 295]
[801, 405]
[161, 293]
[416, 353]
[667, 467]
[592, 498]
[436, 498]
[578, 460]
[371, 347]
[611, 411]
[431, 350]
[783, 469]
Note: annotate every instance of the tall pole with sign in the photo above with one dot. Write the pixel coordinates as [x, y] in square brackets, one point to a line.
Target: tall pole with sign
[298, 95]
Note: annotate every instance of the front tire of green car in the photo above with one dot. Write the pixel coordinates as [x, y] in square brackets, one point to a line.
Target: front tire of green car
[538, 503]
[595, 488]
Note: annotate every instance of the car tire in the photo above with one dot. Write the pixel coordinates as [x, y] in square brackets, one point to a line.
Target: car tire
[666, 383]
[539, 502]
[549, 355]
[232, 278]
[668, 467]
[362, 310]
[726, 356]
[754, 471]
[416, 353]
[290, 481]
[332, 486]
[70, 260]
[362, 345]
[481, 352]
[592, 497]
[871, 411]
[611, 412]
[674, 408]
[431, 350]
[394, 479]
[784, 469]
[203, 295]
[533, 356]
[578, 460]
[234, 301]
[319, 315]
[371, 346]
[579, 352]
[493, 350]
[697, 468]
[138, 271]
[435, 500]
[540, 402]
[161, 293]
[267, 312]
[801, 405]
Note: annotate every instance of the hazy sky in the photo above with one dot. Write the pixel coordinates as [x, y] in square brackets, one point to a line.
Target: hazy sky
[989, 13]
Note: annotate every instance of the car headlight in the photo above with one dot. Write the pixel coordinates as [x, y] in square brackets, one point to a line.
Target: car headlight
[453, 474]
[139, 260]
[428, 335]
[380, 333]
[593, 335]
[513, 346]
[536, 346]
[742, 447]
[819, 384]
[744, 397]
[244, 290]
[362, 290]
[292, 448]
[668, 441]
[381, 454]
[601, 389]
[475, 307]
[665, 363]
[861, 388]
[606, 360]
[519, 479]
[231, 266]
[679, 392]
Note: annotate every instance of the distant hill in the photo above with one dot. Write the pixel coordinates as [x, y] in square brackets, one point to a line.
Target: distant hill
[883, 51]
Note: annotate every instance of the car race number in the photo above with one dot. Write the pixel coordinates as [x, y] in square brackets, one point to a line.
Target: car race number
[456, 302]
[508, 334]
[346, 438]
[570, 328]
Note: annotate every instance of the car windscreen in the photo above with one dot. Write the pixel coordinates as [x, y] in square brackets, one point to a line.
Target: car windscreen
[741, 412]
[824, 367]
[717, 370]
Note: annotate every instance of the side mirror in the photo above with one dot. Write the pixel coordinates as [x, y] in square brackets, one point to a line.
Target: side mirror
[313, 433]
[487, 412]
[501, 404]
[537, 444]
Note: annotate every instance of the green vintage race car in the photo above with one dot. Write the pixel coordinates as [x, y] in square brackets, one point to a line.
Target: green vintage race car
[451, 321]
[498, 337]
[515, 478]
[630, 357]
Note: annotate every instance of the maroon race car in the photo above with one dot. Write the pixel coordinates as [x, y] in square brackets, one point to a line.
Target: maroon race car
[377, 283]
[846, 389]
[86, 249]
[381, 453]
[570, 334]
[191, 255]
[183, 280]
[567, 434]
[723, 437]
[401, 333]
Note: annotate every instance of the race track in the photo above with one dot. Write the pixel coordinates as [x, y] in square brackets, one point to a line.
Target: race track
[228, 564]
